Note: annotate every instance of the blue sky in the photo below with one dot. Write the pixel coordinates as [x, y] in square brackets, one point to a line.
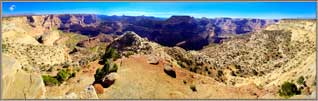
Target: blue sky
[265, 10]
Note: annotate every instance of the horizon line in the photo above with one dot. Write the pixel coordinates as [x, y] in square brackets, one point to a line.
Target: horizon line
[35, 14]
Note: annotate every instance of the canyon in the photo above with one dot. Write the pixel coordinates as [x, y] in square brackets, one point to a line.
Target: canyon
[143, 57]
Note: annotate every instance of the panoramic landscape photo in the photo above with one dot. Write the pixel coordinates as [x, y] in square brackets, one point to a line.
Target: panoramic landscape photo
[158, 50]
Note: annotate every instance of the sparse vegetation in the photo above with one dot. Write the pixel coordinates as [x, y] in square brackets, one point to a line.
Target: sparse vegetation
[288, 89]
[193, 88]
[4, 47]
[114, 68]
[111, 53]
[301, 80]
[61, 76]
[73, 39]
[184, 81]
[100, 73]
[50, 80]
[128, 53]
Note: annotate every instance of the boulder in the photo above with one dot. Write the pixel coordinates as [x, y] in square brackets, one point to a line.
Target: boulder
[109, 79]
[153, 60]
[169, 70]
[99, 88]
[130, 41]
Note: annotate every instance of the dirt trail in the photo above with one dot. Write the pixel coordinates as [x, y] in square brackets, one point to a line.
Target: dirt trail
[140, 80]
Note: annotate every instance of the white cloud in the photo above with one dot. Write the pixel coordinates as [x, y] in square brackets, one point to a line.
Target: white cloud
[12, 7]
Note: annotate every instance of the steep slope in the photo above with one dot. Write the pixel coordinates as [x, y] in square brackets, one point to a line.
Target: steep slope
[137, 77]
[282, 52]
[35, 57]
[19, 84]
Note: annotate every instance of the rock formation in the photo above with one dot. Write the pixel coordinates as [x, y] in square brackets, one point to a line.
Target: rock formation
[184, 31]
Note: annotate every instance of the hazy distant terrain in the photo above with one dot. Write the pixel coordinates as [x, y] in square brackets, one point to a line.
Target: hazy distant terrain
[83, 56]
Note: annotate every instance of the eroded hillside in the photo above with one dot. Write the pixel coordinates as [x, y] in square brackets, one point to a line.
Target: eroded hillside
[253, 60]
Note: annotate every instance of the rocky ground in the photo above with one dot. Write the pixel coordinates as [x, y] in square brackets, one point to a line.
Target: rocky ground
[248, 66]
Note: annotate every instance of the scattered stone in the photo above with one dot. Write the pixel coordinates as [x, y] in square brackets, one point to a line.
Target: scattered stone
[306, 91]
[88, 93]
[71, 96]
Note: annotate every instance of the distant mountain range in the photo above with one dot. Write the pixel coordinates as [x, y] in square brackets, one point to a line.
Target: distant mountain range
[184, 31]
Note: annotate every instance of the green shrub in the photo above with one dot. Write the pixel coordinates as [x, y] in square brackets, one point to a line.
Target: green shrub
[111, 53]
[49, 80]
[301, 80]
[106, 67]
[100, 73]
[114, 69]
[63, 75]
[4, 48]
[288, 89]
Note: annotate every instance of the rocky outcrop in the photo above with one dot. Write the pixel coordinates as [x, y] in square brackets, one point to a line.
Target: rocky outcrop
[18, 84]
[169, 70]
[49, 38]
[153, 60]
[129, 43]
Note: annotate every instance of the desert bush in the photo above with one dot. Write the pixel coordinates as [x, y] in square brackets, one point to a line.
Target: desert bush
[65, 65]
[114, 68]
[301, 80]
[73, 75]
[184, 81]
[50, 69]
[100, 73]
[50, 80]
[63, 75]
[111, 53]
[4, 48]
[288, 89]
[193, 88]
[220, 73]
